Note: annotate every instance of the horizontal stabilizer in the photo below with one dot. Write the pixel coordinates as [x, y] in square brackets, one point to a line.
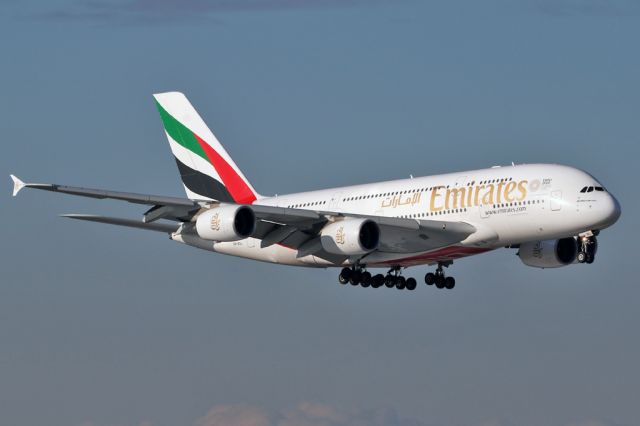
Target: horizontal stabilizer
[132, 223]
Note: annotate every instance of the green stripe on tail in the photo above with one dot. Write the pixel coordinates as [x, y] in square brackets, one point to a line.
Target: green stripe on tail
[180, 133]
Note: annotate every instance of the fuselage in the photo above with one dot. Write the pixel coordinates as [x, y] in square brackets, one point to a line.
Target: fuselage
[508, 205]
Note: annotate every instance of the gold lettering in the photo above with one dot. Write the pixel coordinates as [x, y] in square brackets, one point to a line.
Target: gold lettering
[499, 193]
[434, 195]
[487, 198]
[508, 190]
[522, 187]
[475, 198]
[455, 192]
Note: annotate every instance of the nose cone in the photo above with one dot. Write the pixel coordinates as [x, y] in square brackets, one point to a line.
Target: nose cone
[611, 211]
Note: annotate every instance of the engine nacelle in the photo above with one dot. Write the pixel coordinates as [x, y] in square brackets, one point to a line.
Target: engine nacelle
[350, 237]
[226, 223]
[549, 253]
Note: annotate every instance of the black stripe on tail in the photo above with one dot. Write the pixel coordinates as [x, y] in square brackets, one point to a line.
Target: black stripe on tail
[202, 184]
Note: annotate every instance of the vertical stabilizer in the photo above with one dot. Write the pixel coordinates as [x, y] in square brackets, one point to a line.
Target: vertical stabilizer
[207, 171]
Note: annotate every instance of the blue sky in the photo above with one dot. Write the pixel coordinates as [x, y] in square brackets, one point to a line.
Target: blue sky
[105, 326]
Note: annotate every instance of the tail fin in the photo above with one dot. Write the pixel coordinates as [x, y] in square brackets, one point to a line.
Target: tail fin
[207, 171]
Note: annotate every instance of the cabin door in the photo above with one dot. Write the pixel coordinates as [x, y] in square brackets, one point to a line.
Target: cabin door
[556, 200]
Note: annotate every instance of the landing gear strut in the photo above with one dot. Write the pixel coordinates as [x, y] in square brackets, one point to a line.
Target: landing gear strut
[438, 278]
[587, 246]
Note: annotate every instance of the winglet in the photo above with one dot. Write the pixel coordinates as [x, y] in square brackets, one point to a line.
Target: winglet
[17, 184]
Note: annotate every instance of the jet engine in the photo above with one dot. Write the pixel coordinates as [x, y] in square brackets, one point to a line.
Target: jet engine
[549, 253]
[350, 237]
[226, 223]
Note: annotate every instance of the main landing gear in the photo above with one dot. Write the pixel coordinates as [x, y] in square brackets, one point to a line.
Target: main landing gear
[438, 278]
[357, 276]
[587, 246]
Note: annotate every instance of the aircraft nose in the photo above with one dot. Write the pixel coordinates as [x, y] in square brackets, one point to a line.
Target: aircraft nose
[612, 210]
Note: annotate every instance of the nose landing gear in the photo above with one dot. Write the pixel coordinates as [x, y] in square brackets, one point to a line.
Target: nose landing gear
[587, 246]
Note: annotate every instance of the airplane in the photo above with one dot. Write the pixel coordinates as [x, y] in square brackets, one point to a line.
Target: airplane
[550, 213]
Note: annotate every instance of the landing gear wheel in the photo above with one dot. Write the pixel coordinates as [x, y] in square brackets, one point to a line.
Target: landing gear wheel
[411, 283]
[389, 281]
[377, 281]
[582, 257]
[590, 258]
[356, 278]
[366, 279]
[401, 283]
[440, 281]
[449, 282]
[430, 278]
[344, 276]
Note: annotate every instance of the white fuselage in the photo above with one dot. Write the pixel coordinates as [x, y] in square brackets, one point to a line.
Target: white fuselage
[507, 205]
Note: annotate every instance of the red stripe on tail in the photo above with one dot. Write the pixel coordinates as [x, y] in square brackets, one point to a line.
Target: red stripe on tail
[237, 187]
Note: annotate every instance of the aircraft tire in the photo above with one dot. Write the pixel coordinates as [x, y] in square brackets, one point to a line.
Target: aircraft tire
[389, 281]
[411, 283]
[377, 281]
[366, 280]
[449, 282]
[430, 278]
[356, 278]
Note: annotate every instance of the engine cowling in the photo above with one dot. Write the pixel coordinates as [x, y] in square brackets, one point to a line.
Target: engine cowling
[226, 223]
[549, 253]
[350, 237]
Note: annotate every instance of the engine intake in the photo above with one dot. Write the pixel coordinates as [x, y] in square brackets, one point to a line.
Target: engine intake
[350, 237]
[226, 223]
[549, 253]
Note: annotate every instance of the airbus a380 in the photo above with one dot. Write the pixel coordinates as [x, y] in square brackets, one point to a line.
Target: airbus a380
[550, 213]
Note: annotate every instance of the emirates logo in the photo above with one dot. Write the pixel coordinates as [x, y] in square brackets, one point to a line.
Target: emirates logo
[215, 222]
[340, 235]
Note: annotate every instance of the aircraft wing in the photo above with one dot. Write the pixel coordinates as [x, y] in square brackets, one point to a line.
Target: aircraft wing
[299, 229]
[294, 228]
[171, 208]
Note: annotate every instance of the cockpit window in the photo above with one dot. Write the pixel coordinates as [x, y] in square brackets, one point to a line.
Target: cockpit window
[592, 188]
